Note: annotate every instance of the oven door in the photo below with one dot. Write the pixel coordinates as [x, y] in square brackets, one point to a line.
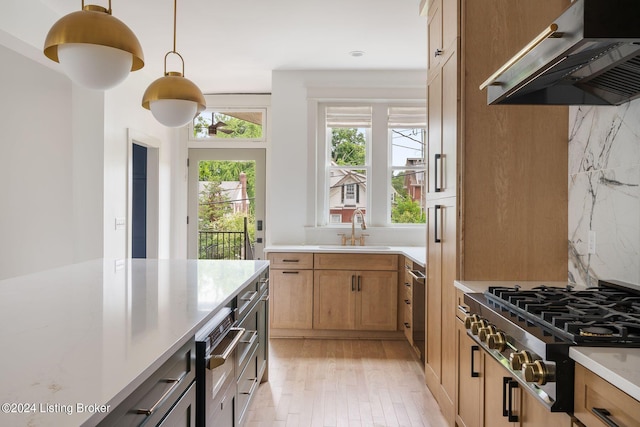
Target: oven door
[219, 375]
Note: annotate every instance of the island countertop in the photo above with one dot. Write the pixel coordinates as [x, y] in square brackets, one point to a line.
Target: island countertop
[77, 340]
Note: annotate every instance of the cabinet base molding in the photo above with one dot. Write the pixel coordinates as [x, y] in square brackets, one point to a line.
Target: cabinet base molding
[331, 334]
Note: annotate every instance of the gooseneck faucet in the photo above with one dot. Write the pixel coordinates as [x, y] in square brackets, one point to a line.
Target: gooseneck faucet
[353, 226]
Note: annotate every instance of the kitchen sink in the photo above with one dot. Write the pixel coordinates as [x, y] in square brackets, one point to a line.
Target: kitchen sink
[355, 248]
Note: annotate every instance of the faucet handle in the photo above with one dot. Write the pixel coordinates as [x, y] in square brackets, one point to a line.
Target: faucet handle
[362, 236]
[344, 239]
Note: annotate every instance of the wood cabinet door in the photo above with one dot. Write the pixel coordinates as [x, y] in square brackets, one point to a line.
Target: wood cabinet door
[534, 414]
[291, 299]
[334, 299]
[433, 304]
[495, 398]
[434, 39]
[434, 134]
[469, 380]
[377, 300]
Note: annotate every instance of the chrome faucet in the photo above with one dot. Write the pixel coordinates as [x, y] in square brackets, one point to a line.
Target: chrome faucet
[353, 227]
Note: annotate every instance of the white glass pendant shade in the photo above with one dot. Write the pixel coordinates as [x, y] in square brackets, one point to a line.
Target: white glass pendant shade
[94, 49]
[94, 66]
[173, 112]
[173, 99]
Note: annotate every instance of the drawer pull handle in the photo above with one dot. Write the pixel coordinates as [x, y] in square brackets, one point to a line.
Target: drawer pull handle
[254, 294]
[176, 382]
[254, 335]
[512, 418]
[219, 359]
[407, 302]
[417, 274]
[407, 325]
[253, 387]
[604, 415]
[290, 272]
[290, 260]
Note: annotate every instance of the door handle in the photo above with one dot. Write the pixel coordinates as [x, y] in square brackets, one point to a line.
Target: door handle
[353, 283]
[438, 209]
[474, 348]
[359, 283]
[437, 159]
[512, 418]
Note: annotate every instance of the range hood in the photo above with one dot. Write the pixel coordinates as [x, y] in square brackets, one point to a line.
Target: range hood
[590, 55]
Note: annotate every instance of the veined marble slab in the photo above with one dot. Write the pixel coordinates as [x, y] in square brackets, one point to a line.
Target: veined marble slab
[604, 193]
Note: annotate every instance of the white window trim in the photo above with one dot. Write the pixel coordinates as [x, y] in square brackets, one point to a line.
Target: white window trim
[379, 167]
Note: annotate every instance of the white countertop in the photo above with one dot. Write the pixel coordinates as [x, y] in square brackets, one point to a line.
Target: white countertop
[619, 366]
[90, 333]
[417, 254]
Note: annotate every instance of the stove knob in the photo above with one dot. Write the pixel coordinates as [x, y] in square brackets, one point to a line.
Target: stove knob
[476, 326]
[520, 358]
[535, 372]
[484, 333]
[470, 319]
[497, 341]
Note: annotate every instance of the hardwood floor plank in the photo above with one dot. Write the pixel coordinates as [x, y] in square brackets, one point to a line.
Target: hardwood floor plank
[334, 383]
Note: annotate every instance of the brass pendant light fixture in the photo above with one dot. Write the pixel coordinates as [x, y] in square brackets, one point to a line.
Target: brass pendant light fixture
[173, 99]
[95, 49]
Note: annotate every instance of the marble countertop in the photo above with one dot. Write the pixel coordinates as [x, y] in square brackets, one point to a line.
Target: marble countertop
[618, 366]
[90, 333]
[417, 254]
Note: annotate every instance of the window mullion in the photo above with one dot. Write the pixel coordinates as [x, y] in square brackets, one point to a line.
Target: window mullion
[379, 167]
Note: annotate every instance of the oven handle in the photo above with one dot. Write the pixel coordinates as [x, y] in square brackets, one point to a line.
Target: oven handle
[604, 415]
[216, 360]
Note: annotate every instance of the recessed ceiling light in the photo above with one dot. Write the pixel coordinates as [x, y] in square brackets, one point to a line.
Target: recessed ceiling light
[356, 53]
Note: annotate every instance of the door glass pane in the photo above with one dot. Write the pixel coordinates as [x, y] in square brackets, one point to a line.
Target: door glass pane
[226, 209]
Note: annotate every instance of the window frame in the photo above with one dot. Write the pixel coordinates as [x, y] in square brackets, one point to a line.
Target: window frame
[378, 167]
[233, 141]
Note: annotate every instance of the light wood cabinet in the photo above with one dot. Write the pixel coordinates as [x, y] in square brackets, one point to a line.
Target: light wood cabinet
[596, 400]
[291, 290]
[470, 363]
[360, 300]
[496, 174]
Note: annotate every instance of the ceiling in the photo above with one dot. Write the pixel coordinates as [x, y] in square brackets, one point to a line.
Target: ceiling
[233, 46]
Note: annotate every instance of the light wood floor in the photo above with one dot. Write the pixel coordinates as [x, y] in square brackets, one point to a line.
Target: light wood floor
[343, 383]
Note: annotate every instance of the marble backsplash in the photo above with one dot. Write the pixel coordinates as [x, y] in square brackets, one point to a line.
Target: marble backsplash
[604, 193]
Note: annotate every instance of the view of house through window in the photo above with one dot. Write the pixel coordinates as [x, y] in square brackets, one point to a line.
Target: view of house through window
[213, 124]
[226, 210]
[349, 138]
[348, 128]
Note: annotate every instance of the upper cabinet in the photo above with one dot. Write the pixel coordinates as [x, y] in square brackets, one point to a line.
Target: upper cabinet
[442, 18]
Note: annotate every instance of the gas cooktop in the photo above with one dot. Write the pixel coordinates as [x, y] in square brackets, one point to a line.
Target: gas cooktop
[608, 314]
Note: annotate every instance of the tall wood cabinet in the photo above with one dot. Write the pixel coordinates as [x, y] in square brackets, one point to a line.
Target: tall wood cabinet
[497, 175]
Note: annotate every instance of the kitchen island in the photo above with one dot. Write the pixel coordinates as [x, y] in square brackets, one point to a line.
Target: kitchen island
[77, 340]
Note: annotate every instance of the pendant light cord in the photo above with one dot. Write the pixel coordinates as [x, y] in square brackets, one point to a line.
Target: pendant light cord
[175, 11]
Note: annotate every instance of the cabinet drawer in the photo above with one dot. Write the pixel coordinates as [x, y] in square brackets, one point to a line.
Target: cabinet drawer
[355, 262]
[291, 260]
[594, 395]
[152, 400]
[246, 387]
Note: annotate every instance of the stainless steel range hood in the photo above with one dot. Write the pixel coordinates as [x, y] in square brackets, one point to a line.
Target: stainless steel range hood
[590, 55]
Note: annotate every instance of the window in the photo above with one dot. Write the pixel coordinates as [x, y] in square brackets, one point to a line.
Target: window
[236, 124]
[347, 139]
[372, 155]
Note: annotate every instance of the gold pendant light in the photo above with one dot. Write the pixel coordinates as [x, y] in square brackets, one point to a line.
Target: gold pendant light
[173, 99]
[93, 48]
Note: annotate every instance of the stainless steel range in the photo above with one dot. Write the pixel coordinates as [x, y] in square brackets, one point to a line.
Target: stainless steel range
[530, 331]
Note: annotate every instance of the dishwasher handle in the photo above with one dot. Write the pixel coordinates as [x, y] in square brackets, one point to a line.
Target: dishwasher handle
[216, 360]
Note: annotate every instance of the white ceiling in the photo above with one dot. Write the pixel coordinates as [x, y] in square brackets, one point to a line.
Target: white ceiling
[232, 46]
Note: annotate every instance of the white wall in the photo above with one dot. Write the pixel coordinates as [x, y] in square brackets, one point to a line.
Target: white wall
[292, 170]
[63, 154]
